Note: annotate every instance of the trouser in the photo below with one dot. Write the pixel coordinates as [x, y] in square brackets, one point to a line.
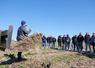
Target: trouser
[88, 47]
[93, 46]
[76, 47]
[49, 44]
[80, 46]
[53, 45]
[59, 44]
[44, 44]
[63, 46]
[67, 45]
[19, 55]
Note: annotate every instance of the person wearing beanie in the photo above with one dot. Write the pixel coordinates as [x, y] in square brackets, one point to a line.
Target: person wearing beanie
[22, 32]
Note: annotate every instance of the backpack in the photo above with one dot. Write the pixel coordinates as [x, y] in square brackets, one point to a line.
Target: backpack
[26, 29]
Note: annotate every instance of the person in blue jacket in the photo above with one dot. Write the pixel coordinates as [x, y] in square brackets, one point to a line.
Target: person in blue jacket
[22, 32]
[44, 39]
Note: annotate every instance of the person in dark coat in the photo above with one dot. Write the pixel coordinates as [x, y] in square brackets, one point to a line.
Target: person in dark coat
[49, 41]
[75, 43]
[67, 42]
[44, 39]
[92, 42]
[63, 42]
[59, 41]
[22, 32]
[87, 41]
[80, 39]
[54, 41]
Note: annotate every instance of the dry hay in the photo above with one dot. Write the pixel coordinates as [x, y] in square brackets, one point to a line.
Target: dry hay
[28, 43]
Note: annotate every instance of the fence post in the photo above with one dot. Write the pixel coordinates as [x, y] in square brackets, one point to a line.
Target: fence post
[9, 33]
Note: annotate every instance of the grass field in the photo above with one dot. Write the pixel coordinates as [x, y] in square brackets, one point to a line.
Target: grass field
[56, 58]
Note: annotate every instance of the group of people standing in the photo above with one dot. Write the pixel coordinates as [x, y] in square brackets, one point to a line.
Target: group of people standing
[88, 40]
[77, 43]
[48, 41]
[64, 42]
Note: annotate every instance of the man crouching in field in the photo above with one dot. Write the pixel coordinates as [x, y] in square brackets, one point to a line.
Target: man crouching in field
[21, 34]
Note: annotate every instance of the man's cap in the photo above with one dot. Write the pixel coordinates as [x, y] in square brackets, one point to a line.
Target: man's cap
[23, 22]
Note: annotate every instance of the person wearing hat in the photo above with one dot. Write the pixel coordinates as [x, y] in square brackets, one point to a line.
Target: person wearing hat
[22, 32]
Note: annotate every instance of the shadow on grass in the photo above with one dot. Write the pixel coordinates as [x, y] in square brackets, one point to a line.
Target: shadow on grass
[55, 48]
[88, 54]
[12, 59]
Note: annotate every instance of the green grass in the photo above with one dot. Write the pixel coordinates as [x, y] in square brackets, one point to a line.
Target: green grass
[4, 66]
[66, 58]
[29, 54]
[21, 66]
[52, 56]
